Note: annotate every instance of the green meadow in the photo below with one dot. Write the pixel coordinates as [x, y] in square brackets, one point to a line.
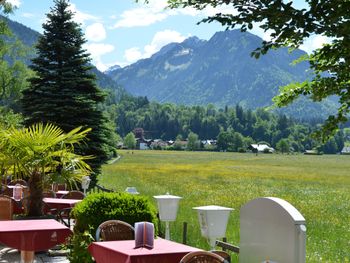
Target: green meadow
[318, 186]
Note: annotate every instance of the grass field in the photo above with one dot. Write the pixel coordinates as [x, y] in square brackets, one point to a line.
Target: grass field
[318, 186]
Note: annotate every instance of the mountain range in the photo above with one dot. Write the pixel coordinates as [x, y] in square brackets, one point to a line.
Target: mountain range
[197, 72]
[30, 37]
[219, 71]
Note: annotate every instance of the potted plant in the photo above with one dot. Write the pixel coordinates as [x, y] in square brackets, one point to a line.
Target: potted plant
[41, 153]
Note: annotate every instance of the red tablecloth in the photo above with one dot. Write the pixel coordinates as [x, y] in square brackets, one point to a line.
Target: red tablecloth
[33, 235]
[164, 251]
[59, 203]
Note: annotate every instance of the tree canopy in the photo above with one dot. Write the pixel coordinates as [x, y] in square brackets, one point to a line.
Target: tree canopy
[64, 91]
[13, 71]
[287, 24]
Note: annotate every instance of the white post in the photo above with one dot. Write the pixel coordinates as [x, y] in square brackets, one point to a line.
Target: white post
[85, 182]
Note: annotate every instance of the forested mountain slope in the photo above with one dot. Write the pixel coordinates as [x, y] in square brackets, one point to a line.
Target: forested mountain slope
[219, 71]
[29, 38]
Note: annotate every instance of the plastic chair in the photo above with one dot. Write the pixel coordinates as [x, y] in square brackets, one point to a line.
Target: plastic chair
[114, 230]
[202, 257]
[6, 207]
[74, 195]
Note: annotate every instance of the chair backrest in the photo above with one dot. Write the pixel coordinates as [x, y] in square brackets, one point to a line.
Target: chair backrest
[7, 191]
[202, 257]
[115, 230]
[59, 187]
[18, 181]
[74, 195]
[49, 193]
[6, 207]
[223, 254]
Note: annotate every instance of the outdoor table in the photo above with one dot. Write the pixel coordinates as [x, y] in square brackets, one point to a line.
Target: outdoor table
[61, 193]
[60, 203]
[125, 252]
[32, 235]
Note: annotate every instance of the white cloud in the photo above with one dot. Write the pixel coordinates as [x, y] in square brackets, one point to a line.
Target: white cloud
[15, 3]
[143, 16]
[156, 11]
[28, 15]
[95, 32]
[315, 42]
[159, 40]
[132, 54]
[79, 16]
[97, 50]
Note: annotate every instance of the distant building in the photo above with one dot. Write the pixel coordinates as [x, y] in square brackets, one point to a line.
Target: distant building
[158, 144]
[261, 148]
[208, 142]
[345, 150]
[143, 144]
[312, 152]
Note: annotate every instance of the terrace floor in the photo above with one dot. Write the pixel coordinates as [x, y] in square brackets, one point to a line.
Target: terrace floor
[9, 255]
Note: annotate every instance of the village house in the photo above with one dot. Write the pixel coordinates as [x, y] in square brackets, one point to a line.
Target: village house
[345, 150]
[261, 148]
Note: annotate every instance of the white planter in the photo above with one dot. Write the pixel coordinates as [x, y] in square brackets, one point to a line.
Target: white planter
[213, 221]
[167, 207]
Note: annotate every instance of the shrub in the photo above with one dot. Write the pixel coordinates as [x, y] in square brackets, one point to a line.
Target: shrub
[241, 150]
[99, 207]
[77, 245]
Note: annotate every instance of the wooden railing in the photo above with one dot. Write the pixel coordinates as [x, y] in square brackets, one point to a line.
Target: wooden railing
[99, 189]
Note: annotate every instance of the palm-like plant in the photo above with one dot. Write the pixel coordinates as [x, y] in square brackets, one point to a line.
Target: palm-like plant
[42, 153]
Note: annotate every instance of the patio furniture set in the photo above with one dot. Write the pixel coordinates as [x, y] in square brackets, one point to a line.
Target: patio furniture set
[271, 230]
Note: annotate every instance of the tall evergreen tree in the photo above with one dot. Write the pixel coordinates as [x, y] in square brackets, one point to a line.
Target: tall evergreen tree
[64, 91]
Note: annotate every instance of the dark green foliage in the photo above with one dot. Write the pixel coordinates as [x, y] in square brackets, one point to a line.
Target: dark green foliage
[130, 141]
[234, 128]
[77, 245]
[193, 142]
[283, 146]
[64, 91]
[97, 208]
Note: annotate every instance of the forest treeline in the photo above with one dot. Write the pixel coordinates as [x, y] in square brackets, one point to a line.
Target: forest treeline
[234, 128]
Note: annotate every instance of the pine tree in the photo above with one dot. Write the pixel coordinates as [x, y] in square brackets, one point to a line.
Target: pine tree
[64, 91]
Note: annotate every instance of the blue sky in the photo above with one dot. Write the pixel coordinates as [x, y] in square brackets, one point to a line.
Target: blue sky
[120, 32]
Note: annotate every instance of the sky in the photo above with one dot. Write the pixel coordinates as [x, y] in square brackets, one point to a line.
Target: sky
[120, 32]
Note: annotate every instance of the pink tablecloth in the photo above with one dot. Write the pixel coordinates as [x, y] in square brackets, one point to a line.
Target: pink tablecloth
[164, 251]
[59, 203]
[33, 235]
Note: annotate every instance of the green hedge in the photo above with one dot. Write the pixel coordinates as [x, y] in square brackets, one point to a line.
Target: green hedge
[99, 207]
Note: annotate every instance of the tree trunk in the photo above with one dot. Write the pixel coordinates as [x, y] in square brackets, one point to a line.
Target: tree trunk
[35, 199]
